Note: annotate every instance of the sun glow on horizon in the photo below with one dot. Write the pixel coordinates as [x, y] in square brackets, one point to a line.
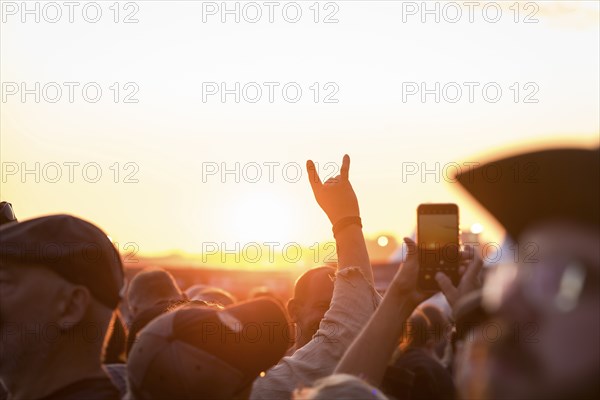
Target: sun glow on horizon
[260, 216]
[164, 207]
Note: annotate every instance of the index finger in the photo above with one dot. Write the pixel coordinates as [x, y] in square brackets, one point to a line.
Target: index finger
[448, 289]
[313, 176]
[467, 253]
[474, 267]
[345, 171]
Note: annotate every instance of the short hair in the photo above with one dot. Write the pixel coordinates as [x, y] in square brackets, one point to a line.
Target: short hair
[217, 295]
[144, 318]
[260, 291]
[344, 386]
[437, 319]
[417, 331]
[154, 282]
[303, 283]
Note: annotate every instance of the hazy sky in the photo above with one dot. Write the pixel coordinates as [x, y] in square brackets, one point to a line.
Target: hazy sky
[177, 133]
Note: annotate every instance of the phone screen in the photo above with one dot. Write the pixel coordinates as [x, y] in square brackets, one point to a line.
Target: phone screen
[438, 244]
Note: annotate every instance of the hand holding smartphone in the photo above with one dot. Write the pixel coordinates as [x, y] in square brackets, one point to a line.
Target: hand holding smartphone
[437, 244]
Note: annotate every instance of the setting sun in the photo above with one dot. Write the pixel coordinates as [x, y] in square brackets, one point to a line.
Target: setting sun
[260, 216]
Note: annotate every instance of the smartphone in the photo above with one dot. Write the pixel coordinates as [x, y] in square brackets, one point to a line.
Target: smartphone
[437, 243]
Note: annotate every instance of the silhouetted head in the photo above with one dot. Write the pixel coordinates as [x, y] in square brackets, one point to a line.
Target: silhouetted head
[210, 294]
[439, 325]
[151, 287]
[418, 333]
[546, 306]
[312, 297]
[60, 281]
[196, 352]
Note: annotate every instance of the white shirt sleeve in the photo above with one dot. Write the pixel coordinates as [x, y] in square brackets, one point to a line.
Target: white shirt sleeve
[354, 301]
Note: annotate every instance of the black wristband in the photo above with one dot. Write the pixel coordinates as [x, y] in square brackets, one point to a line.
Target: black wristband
[344, 223]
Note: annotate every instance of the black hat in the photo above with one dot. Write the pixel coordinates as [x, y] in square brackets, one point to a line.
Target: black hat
[73, 248]
[529, 188]
[142, 319]
[201, 352]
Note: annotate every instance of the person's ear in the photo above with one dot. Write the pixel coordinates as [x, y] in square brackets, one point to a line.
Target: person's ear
[293, 308]
[73, 306]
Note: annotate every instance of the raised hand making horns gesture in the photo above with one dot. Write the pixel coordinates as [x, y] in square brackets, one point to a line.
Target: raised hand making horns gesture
[336, 196]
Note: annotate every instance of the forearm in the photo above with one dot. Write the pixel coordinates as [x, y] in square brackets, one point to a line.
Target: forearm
[352, 251]
[354, 302]
[369, 354]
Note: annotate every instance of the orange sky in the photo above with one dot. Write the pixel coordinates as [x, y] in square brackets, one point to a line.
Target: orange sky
[162, 145]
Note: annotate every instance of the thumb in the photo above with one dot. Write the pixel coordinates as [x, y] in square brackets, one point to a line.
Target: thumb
[473, 268]
[411, 249]
[411, 261]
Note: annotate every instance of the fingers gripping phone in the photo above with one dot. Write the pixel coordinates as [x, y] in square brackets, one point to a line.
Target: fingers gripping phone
[438, 244]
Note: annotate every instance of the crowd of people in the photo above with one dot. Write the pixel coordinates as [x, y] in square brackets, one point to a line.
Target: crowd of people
[528, 331]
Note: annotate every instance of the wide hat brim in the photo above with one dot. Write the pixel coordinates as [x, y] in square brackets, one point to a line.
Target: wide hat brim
[524, 190]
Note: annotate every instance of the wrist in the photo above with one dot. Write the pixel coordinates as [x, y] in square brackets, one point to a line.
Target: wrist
[407, 297]
[402, 302]
[348, 237]
[344, 223]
